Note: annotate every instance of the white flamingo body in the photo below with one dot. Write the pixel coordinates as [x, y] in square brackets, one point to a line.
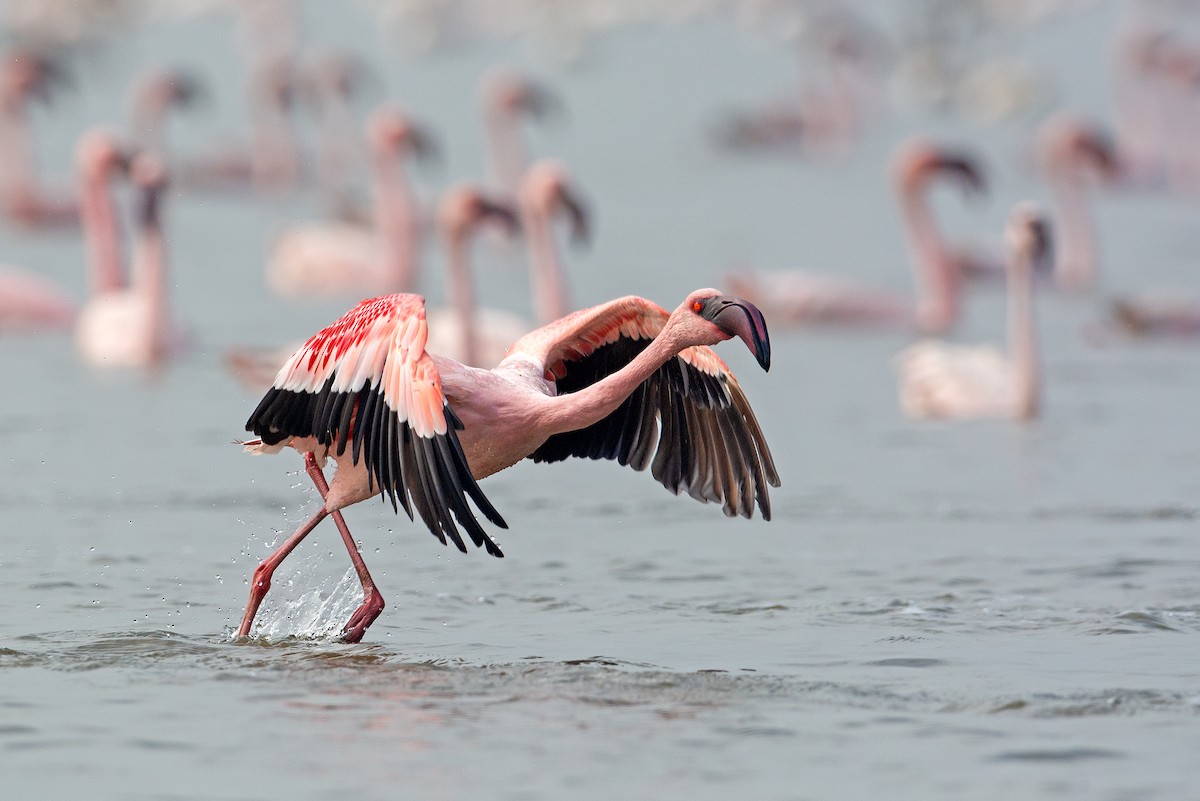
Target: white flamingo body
[327, 259]
[939, 380]
[421, 430]
[944, 380]
[818, 298]
[495, 331]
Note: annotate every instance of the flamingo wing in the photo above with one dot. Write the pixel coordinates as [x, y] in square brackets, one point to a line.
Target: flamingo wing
[689, 421]
[367, 383]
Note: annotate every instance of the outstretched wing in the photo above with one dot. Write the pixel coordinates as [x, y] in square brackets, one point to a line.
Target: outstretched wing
[367, 383]
[689, 422]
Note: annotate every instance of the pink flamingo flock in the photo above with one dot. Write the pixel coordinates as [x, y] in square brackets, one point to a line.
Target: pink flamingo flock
[420, 406]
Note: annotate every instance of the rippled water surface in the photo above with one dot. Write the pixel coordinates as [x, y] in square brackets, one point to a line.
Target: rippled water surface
[936, 612]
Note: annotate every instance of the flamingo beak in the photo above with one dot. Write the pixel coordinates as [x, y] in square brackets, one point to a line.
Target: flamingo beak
[966, 170]
[52, 74]
[541, 102]
[741, 318]
[580, 223]
[189, 90]
[1042, 252]
[1099, 148]
[424, 144]
[501, 214]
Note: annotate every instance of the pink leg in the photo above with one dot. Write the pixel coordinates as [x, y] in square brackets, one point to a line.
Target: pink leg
[372, 603]
[260, 582]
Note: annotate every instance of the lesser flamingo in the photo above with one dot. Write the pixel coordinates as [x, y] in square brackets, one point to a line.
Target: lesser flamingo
[421, 430]
[466, 332]
[938, 380]
[339, 258]
[799, 298]
[131, 326]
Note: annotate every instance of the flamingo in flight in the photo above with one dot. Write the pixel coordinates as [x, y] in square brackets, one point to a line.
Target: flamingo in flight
[938, 380]
[331, 258]
[800, 298]
[613, 381]
[547, 191]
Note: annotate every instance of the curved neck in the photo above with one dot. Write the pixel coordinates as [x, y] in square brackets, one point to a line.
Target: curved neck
[1075, 255]
[102, 237]
[548, 280]
[395, 220]
[1022, 336]
[462, 295]
[593, 403]
[934, 271]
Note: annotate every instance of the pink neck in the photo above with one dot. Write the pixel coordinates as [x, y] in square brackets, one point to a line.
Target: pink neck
[593, 403]
[462, 295]
[148, 278]
[934, 271]
[395, 221]
[1022, 337]
[505, 150]
[546, 272]
[101, 234]
[1075, 256]
[18, 162]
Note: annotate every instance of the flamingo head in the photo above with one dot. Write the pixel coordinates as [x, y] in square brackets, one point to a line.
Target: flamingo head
[1028, 236]
[148, 173]
[30, 74]
[99, 154]
[464, 207]
[714, 317]
[171, 87]
[511, 93]
[391, 130]
[919, 160]
[547, 189]
[1073, 146]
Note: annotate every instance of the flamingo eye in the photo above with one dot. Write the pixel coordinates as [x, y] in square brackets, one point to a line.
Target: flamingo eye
[697, 306]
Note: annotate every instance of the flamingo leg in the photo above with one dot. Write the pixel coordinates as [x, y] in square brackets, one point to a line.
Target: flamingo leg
[260, 582]
[372, 603]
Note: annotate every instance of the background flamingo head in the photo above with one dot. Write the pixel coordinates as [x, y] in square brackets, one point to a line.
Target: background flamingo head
[1027, 235]
[710, 317]
[918, 161]
[513, 94]
[464, 207]
[99, 153]
[27, 74]
[391, 131]
[547, 190]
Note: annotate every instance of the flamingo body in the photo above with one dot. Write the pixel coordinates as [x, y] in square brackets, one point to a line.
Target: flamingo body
[326, 258]
[495, 331]
[942, 381]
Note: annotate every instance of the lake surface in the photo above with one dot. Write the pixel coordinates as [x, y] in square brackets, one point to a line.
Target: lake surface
[936, 611]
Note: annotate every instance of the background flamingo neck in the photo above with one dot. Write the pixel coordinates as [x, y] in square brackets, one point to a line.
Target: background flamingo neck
[506, 152]
[546, 272]
[395, 222]
[98, 216]
[1022, 336]
[18, 175]
[1075, 258]
[148, 278]
[934, 272]
[592, 404]
[462, 296]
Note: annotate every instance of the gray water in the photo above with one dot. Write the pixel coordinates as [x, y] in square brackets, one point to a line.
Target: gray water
[986, 610]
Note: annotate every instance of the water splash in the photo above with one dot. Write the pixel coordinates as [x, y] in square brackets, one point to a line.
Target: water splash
[308, 606]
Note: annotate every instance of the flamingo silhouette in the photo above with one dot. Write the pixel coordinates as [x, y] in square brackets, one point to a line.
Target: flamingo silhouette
[421, 430]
